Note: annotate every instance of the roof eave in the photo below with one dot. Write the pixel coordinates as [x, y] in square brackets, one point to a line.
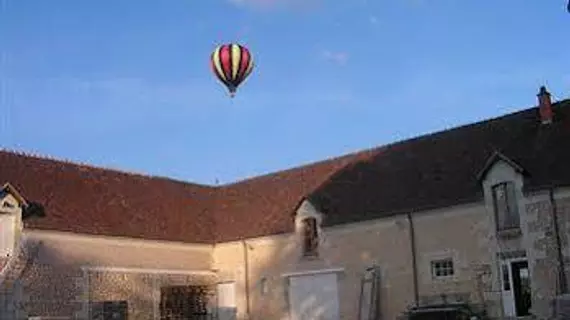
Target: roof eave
[11, 190]
[493, 159]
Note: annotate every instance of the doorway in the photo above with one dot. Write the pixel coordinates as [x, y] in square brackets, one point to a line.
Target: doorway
[516, 287]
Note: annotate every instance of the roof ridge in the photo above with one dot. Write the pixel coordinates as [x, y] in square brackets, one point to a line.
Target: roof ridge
[353, 154]
[78, 163]
[86, 165]
[467, 125]
[375, 149]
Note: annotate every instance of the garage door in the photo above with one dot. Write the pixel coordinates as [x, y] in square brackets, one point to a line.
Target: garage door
[314, 297]
[226, 294]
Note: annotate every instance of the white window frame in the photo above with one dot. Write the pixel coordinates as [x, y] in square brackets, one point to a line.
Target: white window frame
[434, 264]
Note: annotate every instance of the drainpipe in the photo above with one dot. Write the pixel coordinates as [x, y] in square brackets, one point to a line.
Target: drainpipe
[246, 278]
[562, 283]
[414, 260]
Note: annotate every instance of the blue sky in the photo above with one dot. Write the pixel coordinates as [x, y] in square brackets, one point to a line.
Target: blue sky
[126, 84]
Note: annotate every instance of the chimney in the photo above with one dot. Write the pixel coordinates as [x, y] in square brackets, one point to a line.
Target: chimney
[544, 106]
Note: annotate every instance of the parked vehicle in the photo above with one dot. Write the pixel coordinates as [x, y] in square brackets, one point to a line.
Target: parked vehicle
[454, 311]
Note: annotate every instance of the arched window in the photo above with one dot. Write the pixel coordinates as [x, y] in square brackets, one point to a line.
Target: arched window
[310, 237]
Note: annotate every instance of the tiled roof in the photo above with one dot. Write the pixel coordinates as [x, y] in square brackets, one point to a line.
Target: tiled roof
[441, 169]
[84, 199]
[431, 171]
[266, 204]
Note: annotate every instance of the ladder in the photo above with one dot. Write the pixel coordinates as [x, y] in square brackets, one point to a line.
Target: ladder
[369, 301]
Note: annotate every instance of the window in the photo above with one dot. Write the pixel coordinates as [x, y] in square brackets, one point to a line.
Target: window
[442, 268]
[8, 205]
[263, 285]
[110, 310]
[506, 280]
[183, 302]
[310, 237]
[506, 209]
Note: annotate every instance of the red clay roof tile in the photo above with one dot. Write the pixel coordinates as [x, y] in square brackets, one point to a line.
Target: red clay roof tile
[431, 171]
[90, 200]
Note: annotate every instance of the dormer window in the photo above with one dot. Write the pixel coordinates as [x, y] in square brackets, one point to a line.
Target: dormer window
[11, 206]
[505, 205]
[310, 237]
[307, 229]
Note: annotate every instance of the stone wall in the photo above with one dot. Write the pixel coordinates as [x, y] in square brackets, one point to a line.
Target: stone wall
[65, 291]
[141, 291]
[51, 291]
[562, 307]
[68, 271]
[543, 255]
[458, 232]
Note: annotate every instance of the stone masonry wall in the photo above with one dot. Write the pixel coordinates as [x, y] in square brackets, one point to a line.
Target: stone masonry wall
[55, 282]
[140, 290]
[458, 233]
[543, 251]
[51, 290]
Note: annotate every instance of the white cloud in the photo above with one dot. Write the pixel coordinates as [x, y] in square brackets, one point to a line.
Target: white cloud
[338, 57]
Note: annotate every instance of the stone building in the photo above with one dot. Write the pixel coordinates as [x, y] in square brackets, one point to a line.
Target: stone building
[478, 213]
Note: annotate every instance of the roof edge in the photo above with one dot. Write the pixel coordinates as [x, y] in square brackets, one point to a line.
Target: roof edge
[86, 165]
[356, 155]
[494, 158]
[14, 192]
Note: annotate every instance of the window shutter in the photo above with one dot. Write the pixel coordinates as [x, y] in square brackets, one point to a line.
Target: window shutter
[512, 212]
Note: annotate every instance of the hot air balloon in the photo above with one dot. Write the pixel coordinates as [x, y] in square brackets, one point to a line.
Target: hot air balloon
[232, 63]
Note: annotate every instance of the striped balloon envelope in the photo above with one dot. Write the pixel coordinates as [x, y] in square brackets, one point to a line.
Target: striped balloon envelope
[232, 64]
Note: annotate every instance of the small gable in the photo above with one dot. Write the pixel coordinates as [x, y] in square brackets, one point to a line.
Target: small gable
[493, 160]
[10, 199]
[11, 204]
